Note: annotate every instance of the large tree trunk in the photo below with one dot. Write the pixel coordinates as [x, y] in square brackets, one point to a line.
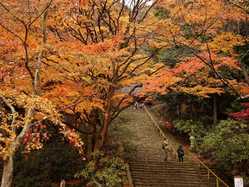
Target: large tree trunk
[106, 120]
[103, 133]
[94, 138]
[178, 110]
[8, 165]
[7, 175]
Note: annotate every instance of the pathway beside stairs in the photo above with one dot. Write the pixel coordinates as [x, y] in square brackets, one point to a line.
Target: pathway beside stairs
[146, 160]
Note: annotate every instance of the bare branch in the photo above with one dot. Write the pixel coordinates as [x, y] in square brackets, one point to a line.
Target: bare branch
[41, 13]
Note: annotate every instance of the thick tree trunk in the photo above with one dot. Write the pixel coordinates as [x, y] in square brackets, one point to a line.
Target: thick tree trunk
[8, 165]
[178, 111]
[94, 138]
[7, 175]
[106, 120]
[215, 118]
[103, 133]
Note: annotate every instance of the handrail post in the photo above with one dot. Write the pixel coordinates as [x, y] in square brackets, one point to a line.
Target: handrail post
[128, 171]
[217, 182]
[208, 178]
[200, 173]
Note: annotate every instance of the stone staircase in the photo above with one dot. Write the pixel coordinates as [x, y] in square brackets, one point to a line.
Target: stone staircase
[146, 161]
[155, 173]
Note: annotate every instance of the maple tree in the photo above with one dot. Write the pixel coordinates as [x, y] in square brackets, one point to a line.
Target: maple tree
[78, 58]
[198, 26]
[16, 125]
[92, 59]
[79, 63]
[103, 38]
[23, 109]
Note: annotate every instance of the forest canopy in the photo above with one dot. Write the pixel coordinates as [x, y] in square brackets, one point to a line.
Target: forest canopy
[75, 66]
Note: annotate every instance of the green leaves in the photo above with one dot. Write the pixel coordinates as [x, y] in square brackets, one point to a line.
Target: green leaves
[190, 127]
[105, 170]
[229, 142]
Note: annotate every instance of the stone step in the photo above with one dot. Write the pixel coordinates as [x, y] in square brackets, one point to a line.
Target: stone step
[175, 164]
[136, 171]
[161, 162]
[167, 174]
[174, 180]
[165, 168]
[179, 182]
[181, 179]
[172, 183]
[155, 173]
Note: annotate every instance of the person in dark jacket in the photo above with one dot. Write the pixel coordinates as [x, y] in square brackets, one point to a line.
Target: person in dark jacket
[180, 153]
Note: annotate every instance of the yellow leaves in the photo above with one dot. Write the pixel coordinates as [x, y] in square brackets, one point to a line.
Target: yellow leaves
[64, 93]
[23, 84]
[234, 13]
[168, 29]
[36, 109]
[51, 74]
[43, 105]
[244, 90]
[14, 76]
[67, 88]
[124, 20]
[214, 81]
[195, 12]
[83, 3]
[160, 82]
[7, 136]
[230, 62]
[201, 18]
[88, 105]
[225, 42]
[133, 80]
[200, 91]
[124, 97]
[102, 47]
[34, 144]
[39, 116]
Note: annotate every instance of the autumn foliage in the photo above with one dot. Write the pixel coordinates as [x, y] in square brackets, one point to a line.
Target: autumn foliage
[91, 59]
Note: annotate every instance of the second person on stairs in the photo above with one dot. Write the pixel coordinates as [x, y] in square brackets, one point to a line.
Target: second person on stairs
[180, 153]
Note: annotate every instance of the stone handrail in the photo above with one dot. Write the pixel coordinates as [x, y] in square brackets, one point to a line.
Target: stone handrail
[159, 130]
[128, 171]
